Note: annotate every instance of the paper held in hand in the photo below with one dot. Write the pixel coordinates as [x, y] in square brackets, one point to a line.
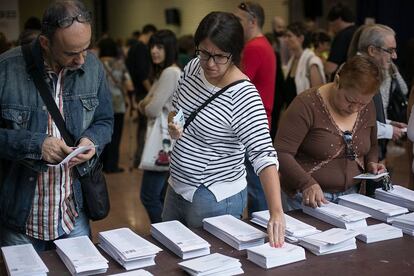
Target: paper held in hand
[77, 151]
[370, 176]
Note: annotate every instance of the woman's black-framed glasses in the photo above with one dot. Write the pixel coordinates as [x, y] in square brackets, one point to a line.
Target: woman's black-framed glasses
[243, 6]
[66, 22]
[218, 59]
[349, 147]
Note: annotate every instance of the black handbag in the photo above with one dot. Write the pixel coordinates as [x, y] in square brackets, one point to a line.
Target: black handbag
[94, 189]
[398, 103]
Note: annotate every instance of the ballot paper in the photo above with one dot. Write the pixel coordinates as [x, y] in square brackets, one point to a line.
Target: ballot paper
[179, 118]
[22, 260]
[214, 264]
[405, 223]
[330, 241]
[338, 215]
[267, 257]
[294, 228]
[139, 272]
[234, 232]
[127, 248]
[370, 175]
[378, 232]
[377, 209]
[78, 150]
[179, 239]
[80, 256]
[400, 196]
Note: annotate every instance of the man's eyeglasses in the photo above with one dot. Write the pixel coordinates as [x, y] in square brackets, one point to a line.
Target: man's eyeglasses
[243, 6]
[68, 21]
[349, 148]
[390, 51]
[218, 59]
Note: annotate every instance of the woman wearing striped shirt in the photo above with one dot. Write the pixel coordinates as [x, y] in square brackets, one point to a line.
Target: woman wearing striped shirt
[207, 173]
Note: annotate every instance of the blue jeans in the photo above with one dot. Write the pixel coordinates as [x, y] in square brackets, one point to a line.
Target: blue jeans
[257, 199]
[294, 203]
[152, 193]
[204, 205]
[11, 237]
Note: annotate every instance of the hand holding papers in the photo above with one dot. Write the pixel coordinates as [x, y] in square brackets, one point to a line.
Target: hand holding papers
[179, 239]
[81, 256]
[22, 260]
[294, 228]
[179, 118]
[77, 151]
[330, 241]
[234, 232]
[268, 257]
[338, 215]
[127, 248]
[214, 264]
[377, 209]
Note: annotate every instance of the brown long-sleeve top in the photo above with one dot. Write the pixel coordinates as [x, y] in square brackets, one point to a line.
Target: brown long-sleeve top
[311, 148]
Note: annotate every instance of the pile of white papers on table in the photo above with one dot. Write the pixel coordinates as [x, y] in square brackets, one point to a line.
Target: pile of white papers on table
[139, 272]
[338, 215]
[400, 196]
[179, 239]
[294, 228]
[330, 241]
[80, 256]
[127, 248]
[378, 209]
[214, 264]
[405, 223]
[234, 232]
[268, 257]
[22, 260]
[378, 232]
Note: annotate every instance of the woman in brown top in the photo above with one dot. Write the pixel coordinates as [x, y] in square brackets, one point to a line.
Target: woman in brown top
[328, 135]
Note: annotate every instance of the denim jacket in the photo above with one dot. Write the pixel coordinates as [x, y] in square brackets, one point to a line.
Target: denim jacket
[23, 122]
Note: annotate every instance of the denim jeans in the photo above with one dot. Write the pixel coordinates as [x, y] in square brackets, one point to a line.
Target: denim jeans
[11, 237]
[152, 193]
[257, 199]
[294, 203]
[204, 205]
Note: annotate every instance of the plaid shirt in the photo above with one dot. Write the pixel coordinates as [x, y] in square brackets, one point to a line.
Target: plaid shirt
[53, 210]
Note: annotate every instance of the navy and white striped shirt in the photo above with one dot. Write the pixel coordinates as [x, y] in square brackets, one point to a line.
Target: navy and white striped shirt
[212, 148]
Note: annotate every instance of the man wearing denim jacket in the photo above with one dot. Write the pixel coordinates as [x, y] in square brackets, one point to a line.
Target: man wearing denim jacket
[39, 204]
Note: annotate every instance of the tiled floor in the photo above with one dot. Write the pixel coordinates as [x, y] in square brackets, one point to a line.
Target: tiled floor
[126, 207]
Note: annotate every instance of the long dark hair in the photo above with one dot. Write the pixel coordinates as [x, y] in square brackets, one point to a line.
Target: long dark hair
[168, 41]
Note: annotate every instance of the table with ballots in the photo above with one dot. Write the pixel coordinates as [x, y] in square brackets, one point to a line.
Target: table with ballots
[393, 256]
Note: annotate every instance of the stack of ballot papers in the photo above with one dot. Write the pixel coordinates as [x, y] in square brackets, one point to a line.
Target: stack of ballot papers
[378, 232]
[405, 223]
[376, 208]
[234, 232]
[22, 260]
[80, 256]
[294, 228]
[179, 239]
[400, 196]
[214, 264]
[330, 241]
[338, 215]
[139, 272]
[127, 248]
[268, 257]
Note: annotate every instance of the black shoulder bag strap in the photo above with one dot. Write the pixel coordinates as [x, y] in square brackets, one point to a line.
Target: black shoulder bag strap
[209, 100]
[45, 93]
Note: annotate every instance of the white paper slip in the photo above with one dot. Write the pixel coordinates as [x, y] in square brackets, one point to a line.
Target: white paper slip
[139, 272]
[370, 175]
[330, 241]
[23, 260]
[77, 151]
[179, 118]
[378, 232]
[214, 264]
[406, 219]
[334, 236]
[404, 129]
[268, 257]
